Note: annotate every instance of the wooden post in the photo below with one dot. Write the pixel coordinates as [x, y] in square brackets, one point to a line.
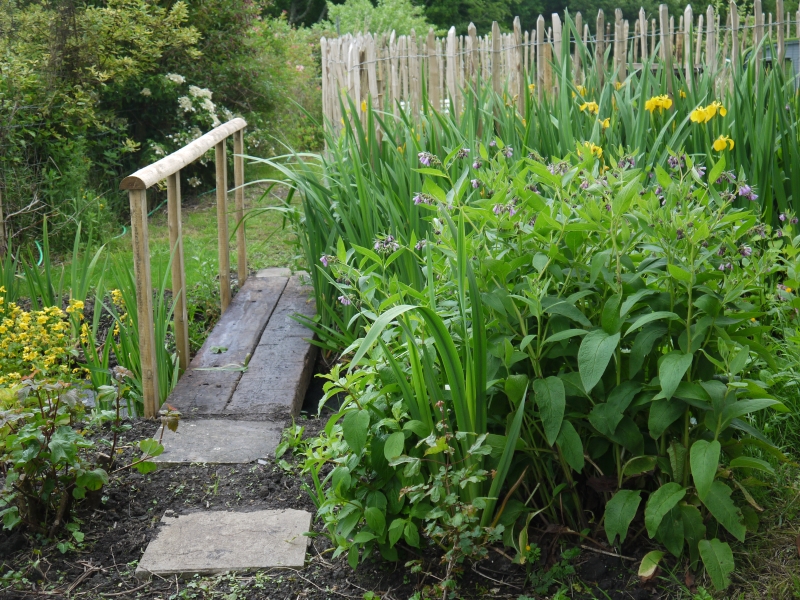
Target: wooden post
[781, 50]
[144, 302]
[626, 30]
[797, 22]
[666, 46]
[635, 58]
[323, 47]
[452, 92]
[679, 42]
[699, 40]
[518, 53]
[618, 44]
[475, 66]
[433, 73]
[643, 33]
[238, 182]
[711, 49]
[557, 36]
[599, 47]
[540, 57]
[548, 63]
[221, 155]
[576, 60]
[497, 84]
[181, 319]
[758, 34]
[688, 61]
[653, 38]
[3, 238]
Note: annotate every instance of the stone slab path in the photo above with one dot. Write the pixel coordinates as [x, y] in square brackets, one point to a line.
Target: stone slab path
[235, 398]
[219, 541]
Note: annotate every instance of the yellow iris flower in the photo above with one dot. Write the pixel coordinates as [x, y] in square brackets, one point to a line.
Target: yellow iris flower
[591, 107]
[658, 102]
[604, 123]
[593, 149]
[721, 142]
[703, 114]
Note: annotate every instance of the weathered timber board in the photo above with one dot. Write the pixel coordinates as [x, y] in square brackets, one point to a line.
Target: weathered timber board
[283, 363]
[239, 330]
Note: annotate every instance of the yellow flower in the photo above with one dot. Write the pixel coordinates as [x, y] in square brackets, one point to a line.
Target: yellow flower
[400, 149]
[363, 106]
[658, 102]
[531, 87]
[618, 85]
[721, 142]
[593, 149]
[788, 290]
[591, 107]
[703, 114]
[682, 94]
[605, 122]
[581, 90]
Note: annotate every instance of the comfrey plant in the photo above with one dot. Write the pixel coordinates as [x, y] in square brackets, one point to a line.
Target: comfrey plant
[603, 333]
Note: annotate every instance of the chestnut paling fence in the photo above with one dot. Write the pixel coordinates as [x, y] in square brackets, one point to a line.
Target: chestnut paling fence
[136, 185]
[411, 72]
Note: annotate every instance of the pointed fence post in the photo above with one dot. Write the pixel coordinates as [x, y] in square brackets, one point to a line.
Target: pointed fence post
[180, 314]
[599, 47]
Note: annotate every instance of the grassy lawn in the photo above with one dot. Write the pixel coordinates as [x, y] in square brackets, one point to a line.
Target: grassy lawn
[268, 243]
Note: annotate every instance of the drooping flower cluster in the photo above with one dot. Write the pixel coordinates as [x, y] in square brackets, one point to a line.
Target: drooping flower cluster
[676, 162]
[426, 159]
[510, 207]
[421, 198]
[745, 191]
[386, 245]
[462, 153]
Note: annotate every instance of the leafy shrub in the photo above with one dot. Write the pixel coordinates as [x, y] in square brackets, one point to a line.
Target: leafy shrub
[362, 16]
[620, 322]
[48, 462]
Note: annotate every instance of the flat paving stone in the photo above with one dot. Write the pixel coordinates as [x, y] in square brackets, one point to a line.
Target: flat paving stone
[216, 541]
[219, 441]
[274, 272]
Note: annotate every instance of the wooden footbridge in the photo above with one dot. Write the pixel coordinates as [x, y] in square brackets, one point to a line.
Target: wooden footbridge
[256, 360]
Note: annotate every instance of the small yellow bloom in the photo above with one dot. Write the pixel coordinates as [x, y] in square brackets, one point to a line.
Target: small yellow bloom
[591, 107]
[721, 142]
[658, 102]
[604, 123]
[618, 85]
[400, 149]
[753, 319]
[581, 90]
[682, 94]
[531, 87]
[593, 149]
[788, 290]
[703, 114]
[363, 106]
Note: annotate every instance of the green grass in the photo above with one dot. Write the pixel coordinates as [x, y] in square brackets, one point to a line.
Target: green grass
[268, 243]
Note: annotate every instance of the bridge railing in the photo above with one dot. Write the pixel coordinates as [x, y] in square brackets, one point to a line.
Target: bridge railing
[169, 168]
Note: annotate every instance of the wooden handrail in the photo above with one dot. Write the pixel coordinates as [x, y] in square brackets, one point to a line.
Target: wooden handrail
[158, 171]
[137, 184]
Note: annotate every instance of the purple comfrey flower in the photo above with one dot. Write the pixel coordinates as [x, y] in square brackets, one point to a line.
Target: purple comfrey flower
[421, 198]
[492, 144]
[324, 260]
[462, 153]
[721, 251]
[585, 184]
[508, 151]
[793, 220]
[477, 165]
[782, 217]
[425, 158]
[420, 245]
[532, 188]
[608, 207]
[701, 171]
[745, 190]
[345, 300]
[627, 162]
[675, 162]
[679, 234]
[532, 222]
[745, 250]
[779, 233]
[752, 197]
[476, 183]
[725, 267]
[498, 209]
[512, 211]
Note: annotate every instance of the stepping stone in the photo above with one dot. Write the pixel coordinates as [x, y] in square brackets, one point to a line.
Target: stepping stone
[219, 441]
[217, 541]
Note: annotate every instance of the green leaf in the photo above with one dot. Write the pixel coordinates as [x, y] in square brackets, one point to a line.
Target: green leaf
[411, 534]
[151, 447]
[716, 170]
[64, 445]
[515, 387]
[670, 532]
[355, 427]
[650, 317]
[649, 564]
[551, 400]
[748, 462]
[375, 519]
[660, 503]
[694, 529]
[431, 172]
[718, 559]
[352, 557]
[679, 274]
[394, 445]
[671, 370]
[638, 465]
[620, 511]
[595, 351]
[566, 309]
[642, 345]
[569, 442]
[564, 335]
[719, 503]
[396, 531]
[146, 467]
[663, 413]
[92, 480]
[704, 460]
[439, 446]
[610, 319]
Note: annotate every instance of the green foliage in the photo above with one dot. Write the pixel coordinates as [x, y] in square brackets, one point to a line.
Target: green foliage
[637, 307]
[356, 16]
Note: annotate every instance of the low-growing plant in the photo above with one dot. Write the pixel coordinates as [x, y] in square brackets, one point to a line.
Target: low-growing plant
[47, 457]
[603, 332]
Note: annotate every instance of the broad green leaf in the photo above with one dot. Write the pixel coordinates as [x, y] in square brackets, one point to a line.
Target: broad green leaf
[64, 445]
[650, 317]
[704, 460]
[649, 564]
[718, 559]
[150, 447]
[431, 172]
[145, 467]
[92, 480]
[610, 319]
[663, 413]
[620, 511]
[394, 445]
[396, 531]
[660, 503]
[564, 335]
[411, 533]
[642, 345]
[719, 503]
[680, 274]
[670, 532]
[355, 427]
[677, 459]
[748, 462]
[671, 370]
[551, 400]
[595, 352]
[740, 360]
[717, 169]
[438, 447]
[566, 309]
[515, 387]
[694, 529]
[569, 442]
[638, 465]
[375, 520]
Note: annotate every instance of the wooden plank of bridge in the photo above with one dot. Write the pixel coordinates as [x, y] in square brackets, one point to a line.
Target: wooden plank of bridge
[202, 392]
